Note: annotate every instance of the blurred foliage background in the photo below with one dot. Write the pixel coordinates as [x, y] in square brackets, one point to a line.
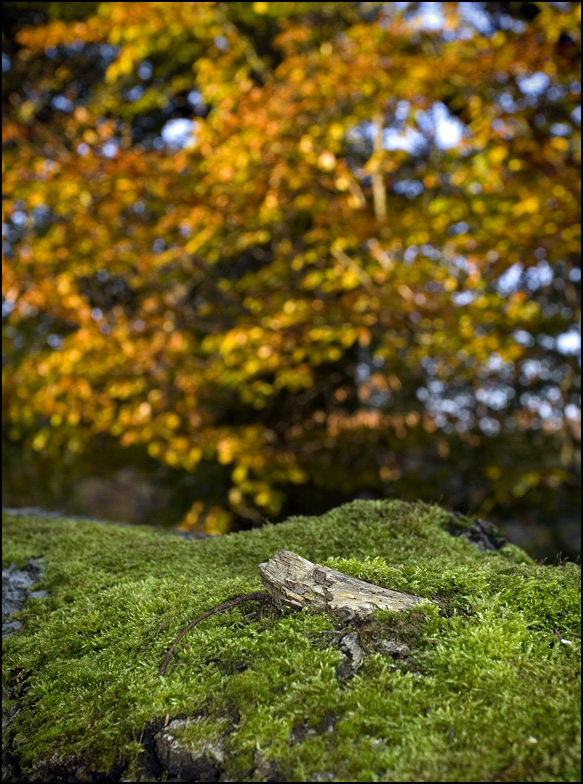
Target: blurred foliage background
[262, 258]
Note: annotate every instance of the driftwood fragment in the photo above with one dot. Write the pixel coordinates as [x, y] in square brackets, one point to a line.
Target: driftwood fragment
[292, 580]
[297, 582]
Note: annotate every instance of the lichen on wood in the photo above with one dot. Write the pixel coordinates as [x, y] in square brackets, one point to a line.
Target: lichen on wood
[297, 582]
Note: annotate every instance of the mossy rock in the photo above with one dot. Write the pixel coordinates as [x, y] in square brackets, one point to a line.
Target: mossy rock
[482, 684]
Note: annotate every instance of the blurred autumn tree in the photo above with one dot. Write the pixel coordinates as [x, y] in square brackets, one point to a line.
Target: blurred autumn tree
[296, 251]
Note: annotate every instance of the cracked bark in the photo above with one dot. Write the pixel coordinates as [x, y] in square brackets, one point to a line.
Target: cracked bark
[297, 582]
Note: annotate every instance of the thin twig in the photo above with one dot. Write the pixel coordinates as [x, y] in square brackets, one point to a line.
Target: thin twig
[345, 259]
[225, 606]
[379, 190]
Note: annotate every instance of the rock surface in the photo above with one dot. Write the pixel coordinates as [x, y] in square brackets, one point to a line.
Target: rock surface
[16, 589]
[261, 693]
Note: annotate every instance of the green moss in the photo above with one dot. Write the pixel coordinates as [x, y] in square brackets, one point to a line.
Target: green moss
[488, 692]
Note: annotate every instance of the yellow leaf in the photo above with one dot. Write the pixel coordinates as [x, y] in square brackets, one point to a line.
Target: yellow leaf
[327, 161]
[498, 154]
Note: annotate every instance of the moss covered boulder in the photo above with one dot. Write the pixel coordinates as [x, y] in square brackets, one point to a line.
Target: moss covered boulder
[479, 684]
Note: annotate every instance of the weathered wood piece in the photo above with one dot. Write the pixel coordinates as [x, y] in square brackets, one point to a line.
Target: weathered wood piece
[297, 582]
